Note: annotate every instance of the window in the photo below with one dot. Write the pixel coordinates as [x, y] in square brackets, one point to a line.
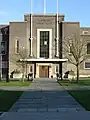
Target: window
[88, 48]
[70, 50]
[31, 69]
[55, 47]
[85, 32]
[44, 44]
[30, 46]
[3, 48]
[17, 46]
[87, 65]
[57, 69]
[4, 64]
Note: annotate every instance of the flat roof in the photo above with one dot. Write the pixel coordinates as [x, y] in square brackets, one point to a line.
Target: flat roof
[51, 14]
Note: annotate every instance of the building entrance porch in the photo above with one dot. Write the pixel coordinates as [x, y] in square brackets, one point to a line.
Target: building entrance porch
[44, 67]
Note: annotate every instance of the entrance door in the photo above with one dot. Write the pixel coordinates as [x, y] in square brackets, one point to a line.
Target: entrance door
[44, 71]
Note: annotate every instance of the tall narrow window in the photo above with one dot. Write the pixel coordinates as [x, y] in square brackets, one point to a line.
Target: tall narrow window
[31, 69]
[55, 47]
[17, 46]
[3, 48]
[56, 69]
[88, 48]
[44, 44]
[30, 46]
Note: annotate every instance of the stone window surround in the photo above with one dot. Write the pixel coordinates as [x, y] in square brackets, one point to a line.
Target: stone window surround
[38, 42]
[84, 65]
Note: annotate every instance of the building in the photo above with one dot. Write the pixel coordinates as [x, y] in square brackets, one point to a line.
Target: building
[37, 35]
[4, 51]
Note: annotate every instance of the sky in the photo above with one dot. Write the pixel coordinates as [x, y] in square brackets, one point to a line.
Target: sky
[74, 10]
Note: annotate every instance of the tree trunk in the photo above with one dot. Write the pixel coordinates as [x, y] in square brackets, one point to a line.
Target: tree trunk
[77, 73]
[7, 76]
[23, 74]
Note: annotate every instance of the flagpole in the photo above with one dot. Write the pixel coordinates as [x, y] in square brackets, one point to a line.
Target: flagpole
[57, 30]
[44, 7]
[31, 28]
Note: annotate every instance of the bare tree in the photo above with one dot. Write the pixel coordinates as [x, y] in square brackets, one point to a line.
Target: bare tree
[75, 51]
[15, 59]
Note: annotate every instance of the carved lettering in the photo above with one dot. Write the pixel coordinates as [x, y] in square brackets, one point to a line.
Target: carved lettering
[44, 21]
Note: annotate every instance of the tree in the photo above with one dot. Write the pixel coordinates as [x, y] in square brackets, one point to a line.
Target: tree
[75, 51]
[23, 55]
[15, 59]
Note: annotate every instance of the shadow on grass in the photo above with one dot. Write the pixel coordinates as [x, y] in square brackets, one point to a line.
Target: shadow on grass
[82, 96]
[8, 98]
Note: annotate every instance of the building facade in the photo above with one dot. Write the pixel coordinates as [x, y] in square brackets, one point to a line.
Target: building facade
[4, 51]
[40, 52]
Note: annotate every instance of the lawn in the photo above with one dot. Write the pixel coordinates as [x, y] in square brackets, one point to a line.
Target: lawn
[15, 83]
[7, 99]
[83, 97]
[84, 82]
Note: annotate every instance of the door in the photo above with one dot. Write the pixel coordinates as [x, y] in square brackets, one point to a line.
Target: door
[43, 71]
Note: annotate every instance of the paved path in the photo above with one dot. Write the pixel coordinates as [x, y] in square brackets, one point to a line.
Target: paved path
[47, 100]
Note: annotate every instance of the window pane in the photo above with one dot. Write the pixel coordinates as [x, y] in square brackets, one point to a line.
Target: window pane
[87, 64]
[44, 44]
[17, 46]
[31, 69]
[57, 69]
[88, 48]
[3, 48]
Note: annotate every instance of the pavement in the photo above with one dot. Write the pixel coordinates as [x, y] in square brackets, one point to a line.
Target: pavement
[46, 99]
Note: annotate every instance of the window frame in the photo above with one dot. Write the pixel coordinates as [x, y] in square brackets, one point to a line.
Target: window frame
[85, 32]
[50, 42]
[57, 66]
[87, 48]
[84, 65]
[17, 40]
[44, 49]
[4, 46]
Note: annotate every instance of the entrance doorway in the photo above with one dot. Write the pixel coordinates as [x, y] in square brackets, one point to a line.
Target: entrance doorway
[44, 71]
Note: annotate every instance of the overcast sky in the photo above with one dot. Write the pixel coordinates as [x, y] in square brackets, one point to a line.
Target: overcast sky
[74, 10]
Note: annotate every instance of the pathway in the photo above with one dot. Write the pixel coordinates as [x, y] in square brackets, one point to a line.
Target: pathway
[48, 100]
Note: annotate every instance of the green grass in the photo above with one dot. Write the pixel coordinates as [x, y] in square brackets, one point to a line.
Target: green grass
[67, 83]
[7, 99]
[84, 82]
[83, 97]
[15, 83]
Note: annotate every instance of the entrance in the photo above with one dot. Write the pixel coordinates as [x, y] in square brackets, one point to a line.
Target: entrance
[44, 71]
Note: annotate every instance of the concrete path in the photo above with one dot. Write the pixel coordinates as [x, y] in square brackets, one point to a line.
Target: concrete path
[48, 101]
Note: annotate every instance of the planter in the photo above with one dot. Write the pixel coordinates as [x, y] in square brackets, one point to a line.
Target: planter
[30, 77]
[17, 75]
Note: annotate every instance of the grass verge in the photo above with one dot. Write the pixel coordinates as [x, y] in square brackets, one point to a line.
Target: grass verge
[15, 83]
[84, 82]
